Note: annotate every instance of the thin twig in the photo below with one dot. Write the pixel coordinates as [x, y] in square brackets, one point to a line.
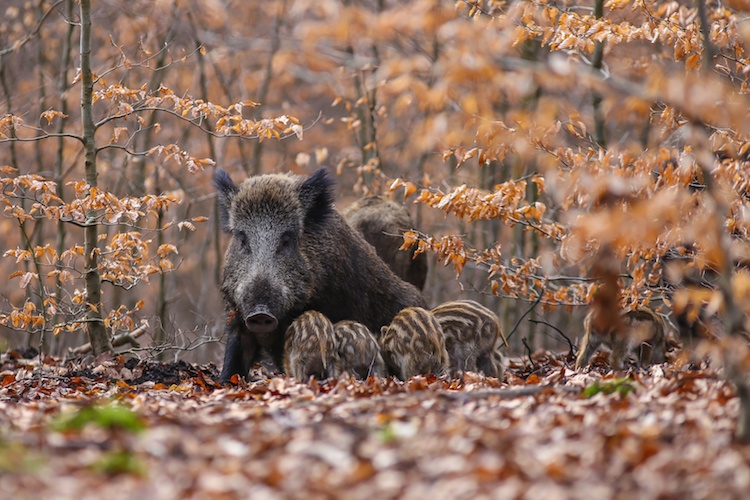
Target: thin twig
[524, 315]
[528, 352]
[567, 339]
[20, 43]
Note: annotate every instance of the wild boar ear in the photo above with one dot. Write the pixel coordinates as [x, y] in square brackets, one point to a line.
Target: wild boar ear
[226, 189]
[316, 196]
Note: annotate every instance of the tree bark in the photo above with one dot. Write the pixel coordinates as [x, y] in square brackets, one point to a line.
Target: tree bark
[597, 63]
[95, 329]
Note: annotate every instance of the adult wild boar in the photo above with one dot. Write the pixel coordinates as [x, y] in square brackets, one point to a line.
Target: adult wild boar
[290, 252]
[382, 221]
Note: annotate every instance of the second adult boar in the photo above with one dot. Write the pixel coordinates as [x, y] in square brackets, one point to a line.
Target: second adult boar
[290, 251]
[381, 221]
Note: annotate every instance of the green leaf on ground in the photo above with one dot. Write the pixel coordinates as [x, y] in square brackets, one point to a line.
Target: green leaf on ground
[110, 416]
[622, 386]
[119, 462]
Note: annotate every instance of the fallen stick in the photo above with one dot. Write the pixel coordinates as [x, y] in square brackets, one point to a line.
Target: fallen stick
[117, 341]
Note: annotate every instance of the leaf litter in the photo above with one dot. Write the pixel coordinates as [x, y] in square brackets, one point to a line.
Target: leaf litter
[135, 429]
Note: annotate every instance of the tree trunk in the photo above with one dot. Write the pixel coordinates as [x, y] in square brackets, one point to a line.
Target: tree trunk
[62, 88]
[596, 98]
[95, 329]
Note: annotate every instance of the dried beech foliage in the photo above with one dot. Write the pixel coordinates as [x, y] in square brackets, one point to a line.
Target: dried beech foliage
[125, 257]
[74, 235]
[643, 196]
[509, 88]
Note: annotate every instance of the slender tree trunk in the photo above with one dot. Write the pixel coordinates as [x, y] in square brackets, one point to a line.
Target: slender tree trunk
[95, 329]
[62, 87]
[160, 334]
[38, 234]
[6, 87]
[265, 85]
[145, 137]
[709, 52]
[733, 316]
[596, 98]
[216, 228]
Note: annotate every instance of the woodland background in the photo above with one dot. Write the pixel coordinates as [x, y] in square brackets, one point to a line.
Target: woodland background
[536, 137]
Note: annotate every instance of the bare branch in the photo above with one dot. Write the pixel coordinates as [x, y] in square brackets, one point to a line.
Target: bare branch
[117, 341]
[20, 43]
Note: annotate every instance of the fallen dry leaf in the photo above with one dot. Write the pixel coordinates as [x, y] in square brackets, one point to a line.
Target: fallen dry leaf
[472, 437]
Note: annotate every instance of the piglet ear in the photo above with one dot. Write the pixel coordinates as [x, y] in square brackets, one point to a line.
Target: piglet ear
[226, 189]
[316, 196]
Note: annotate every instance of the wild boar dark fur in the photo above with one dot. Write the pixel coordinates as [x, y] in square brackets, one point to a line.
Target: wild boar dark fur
[289, 251]
[381, 221]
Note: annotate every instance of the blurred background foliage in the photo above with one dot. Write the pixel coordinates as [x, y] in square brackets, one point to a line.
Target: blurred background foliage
[534, 137]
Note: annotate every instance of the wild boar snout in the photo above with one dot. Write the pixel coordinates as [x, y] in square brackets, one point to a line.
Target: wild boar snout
[261, 322]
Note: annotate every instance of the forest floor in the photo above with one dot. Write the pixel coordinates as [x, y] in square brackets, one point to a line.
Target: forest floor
[129, 429]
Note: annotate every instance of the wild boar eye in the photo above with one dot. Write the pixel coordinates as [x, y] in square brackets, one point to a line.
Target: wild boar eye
[242, 239]
[287, 241]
